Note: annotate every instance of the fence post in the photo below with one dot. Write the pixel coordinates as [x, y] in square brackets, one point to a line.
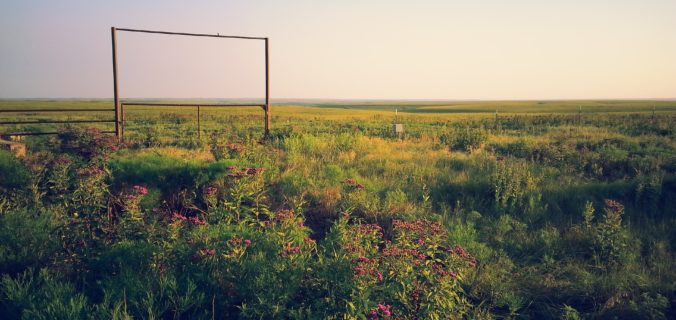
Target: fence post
[122, 120]
[199, 131]
[118, 132]
[653, 118]
[267, 90]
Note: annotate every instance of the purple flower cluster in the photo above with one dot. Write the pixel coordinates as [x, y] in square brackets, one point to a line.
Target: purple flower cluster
[439, 269]
[140, 190]
[613, 205]
[396, 252]
[383, 309]
[137, 191]
[195, 220]
[210, 191]
[367, 267]
[289, 250]
[363, 231]
[420, 228]
[462, 253]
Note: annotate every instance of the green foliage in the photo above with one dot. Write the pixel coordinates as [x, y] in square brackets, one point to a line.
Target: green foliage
[516, 188]
[465, 139]
[25, 240]
[41, 296]
[168, 232]
[569, 313]
[417, 273]
[13, 174]
[611, 238]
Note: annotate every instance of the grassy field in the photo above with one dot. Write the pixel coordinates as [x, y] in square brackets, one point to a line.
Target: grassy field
[538, 213]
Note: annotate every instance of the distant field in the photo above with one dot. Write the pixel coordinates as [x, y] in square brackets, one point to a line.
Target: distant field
[562, 106]
[511, 106]
[419, 116]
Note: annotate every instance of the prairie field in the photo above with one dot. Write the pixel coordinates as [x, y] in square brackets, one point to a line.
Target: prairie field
[477, 210]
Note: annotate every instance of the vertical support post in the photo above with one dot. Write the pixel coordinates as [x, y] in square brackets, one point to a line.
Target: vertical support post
[122, 119]
[118, 132]
[267, 89]
[496, 120]
[653, 118]
[579, 115]
[199, 131]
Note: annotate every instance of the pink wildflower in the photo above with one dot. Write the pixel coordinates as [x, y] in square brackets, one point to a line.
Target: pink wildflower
[210, 191]
[197, 220]
[141, 190]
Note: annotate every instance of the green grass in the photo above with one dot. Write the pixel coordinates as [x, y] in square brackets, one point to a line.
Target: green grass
[517, 192]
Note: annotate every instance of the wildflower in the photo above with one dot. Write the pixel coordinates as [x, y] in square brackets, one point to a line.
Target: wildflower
[235, 241]
[384, 309]
[460, 251]
[309, 241]
[140, 190]
[232, 168]
[289, 250]
[247, 242]
[254, 171]
[197, 220]
[379, 276]
[207, 252]
[613, 205]
[236, 175]
[362, 259]
[373, 314]
[178, 216]
[210, 191]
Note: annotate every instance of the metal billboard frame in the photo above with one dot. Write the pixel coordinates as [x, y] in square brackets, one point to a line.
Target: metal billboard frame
[119, 116]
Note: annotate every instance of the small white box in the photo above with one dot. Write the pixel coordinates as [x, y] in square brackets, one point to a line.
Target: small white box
[398, 128]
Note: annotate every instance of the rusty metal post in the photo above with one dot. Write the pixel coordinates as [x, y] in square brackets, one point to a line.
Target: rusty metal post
[116, 94]
[122, 120]
[199, 131]
[267, 90]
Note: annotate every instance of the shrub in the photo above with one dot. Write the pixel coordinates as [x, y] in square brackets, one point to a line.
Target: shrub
[516, 188]
[25, 240]
[88, 143]
[41, 296]
[465, 139]
[416, 273]
[611, 238]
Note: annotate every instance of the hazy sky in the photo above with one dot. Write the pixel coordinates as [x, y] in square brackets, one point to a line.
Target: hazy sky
[478, 49]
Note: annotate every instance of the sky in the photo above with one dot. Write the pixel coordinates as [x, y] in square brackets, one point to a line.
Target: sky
[347, 49]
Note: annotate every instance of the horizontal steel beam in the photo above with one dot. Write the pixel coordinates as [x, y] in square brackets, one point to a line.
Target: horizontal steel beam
[52, 110]
[36, 133]
[190, 34]
[193, 105]
[55, 121]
